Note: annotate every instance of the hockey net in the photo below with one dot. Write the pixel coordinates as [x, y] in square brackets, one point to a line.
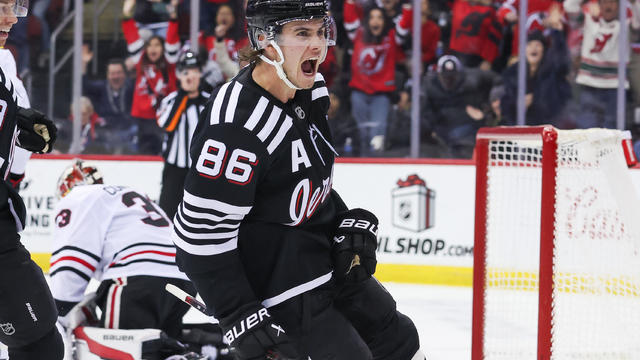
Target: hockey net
[557, 246]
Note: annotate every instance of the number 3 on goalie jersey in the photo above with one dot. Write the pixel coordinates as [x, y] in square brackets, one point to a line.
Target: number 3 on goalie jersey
[238, 168]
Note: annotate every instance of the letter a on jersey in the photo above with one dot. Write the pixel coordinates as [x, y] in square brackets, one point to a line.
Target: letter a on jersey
[298, 156]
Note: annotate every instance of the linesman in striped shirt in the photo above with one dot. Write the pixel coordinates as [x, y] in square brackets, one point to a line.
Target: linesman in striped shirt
[178, 116]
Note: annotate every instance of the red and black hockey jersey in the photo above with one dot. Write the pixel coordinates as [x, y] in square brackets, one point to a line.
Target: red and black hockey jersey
[11, 205]
[258, 210]
[475, 30]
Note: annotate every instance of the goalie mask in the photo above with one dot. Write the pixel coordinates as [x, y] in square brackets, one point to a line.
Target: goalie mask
[266, 18]
[79, 173]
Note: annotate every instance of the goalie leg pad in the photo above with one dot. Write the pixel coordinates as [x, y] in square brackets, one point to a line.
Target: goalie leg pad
[27, 309]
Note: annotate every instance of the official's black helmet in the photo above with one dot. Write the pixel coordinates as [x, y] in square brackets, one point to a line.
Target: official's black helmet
[268, 16]
[188, 60]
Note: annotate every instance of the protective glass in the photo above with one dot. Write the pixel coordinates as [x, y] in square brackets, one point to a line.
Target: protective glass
[19, 9]
[307, 32]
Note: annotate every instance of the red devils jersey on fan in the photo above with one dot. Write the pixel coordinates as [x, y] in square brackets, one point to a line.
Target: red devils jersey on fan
[537, 10]
[475, 30]
[11, 203]
[257, 215]
[152, 82]
[373, 65]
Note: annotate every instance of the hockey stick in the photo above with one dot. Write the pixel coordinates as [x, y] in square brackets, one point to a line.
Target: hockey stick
[188, 299]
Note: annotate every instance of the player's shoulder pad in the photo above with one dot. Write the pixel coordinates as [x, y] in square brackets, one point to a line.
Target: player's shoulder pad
[242, 107]
[82, 195]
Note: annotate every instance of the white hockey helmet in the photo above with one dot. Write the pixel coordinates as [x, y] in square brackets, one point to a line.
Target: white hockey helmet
[79, 173]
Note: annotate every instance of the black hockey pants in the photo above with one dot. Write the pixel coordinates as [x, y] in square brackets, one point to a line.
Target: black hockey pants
[354, 322]
[140, 302]
[27, 310]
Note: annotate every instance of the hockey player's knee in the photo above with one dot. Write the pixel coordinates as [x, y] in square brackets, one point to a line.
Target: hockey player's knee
[397, 341]
[49, 347]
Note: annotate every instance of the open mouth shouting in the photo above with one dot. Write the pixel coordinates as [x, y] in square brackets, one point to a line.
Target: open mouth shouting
[4, 34]
[309, 67]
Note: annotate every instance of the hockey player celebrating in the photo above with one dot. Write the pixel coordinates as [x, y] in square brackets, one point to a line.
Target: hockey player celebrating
[119, 237]
[277, 256]
[27, 309]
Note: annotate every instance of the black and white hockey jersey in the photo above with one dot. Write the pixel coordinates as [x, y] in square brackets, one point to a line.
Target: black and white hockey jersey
[178, 117]
[108, 232]
[258, 211]
[12, 209]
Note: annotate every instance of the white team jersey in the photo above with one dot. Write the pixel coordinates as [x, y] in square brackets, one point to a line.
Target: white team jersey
[108, 232]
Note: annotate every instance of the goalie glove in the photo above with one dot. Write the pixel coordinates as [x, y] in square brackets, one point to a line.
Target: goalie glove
[354, 246]
[254, 335]
[37, 133]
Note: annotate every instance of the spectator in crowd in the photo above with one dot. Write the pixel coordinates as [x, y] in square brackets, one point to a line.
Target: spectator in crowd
[344, 129]
[597, 75]
[538, 12]
[376, 50]
[178, 116]
[155, 79]
[112, 96]
[430, 35]
[391, 8]
[475, 33]
[456, 104]
[94, 136]
[152, 15]
[228, 37]
[547, 89]
[494, 116]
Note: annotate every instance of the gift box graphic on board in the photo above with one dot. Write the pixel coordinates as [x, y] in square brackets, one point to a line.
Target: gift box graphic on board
[413, 204]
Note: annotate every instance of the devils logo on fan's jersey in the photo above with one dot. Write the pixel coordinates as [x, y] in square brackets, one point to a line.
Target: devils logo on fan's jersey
[601, 41]
[372, 58]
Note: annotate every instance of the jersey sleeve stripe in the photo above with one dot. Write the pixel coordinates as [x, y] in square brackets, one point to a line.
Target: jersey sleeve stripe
[214, 204]
[206, 235]
[282, 132]
[233, 102]
[218, 226]
[118, 265]
[76, 259]
[319, 92]
[217, 105]
[74, 248]
[271, 123]
[207, 249]
[207, 216]
[73, 270]
[257, 113]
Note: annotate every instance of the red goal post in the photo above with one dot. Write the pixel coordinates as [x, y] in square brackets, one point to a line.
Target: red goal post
[554, 216]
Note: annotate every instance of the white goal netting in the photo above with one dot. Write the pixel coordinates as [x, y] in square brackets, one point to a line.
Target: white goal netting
[596, 255]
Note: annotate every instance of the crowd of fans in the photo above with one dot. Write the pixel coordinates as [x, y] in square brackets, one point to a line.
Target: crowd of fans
[469, 59]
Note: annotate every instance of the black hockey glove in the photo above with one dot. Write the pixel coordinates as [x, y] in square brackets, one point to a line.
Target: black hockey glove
[37, 133]
[354, 246]
[253, 334]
